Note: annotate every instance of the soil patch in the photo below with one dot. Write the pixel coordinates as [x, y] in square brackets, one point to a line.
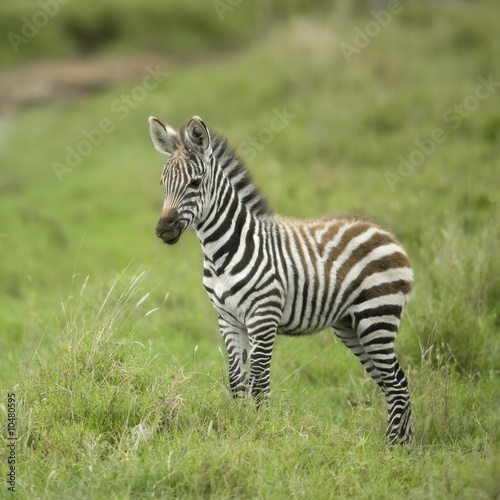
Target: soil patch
[50, 82]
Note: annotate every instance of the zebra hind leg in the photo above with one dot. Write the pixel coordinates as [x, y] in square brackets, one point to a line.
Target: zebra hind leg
[376, 335]
[350, 339]
[400, 428]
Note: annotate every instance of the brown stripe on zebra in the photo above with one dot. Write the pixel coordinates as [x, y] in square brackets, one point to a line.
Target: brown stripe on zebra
[363, 250]
[349, 234]
[390, 288]
[329, 235]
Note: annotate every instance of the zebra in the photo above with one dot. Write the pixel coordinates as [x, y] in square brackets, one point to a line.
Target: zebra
[267, 274]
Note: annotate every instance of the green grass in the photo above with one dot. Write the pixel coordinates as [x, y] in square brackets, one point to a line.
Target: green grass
[113, 401]
[101, 416]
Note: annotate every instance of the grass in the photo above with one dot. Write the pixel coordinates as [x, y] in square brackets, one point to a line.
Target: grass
[113, 401]
[100, 416]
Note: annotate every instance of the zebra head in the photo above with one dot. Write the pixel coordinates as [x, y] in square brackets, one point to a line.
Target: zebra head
[183, 174]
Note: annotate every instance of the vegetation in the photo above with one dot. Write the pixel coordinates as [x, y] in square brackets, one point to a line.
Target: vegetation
[65, 27]
[108, 339]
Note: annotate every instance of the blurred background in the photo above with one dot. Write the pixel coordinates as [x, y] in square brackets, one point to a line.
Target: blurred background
[389, 110]
[384, 109]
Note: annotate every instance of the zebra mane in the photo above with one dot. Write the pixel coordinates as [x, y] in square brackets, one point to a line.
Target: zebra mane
[239, 176]
[237, 173]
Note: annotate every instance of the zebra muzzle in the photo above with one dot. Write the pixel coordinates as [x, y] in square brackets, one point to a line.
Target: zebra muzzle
[169, 228]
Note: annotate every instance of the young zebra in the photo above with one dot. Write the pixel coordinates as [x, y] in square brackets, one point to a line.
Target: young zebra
[267, 274]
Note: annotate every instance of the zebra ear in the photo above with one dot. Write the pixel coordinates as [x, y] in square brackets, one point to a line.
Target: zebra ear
[164, 137]
[198, 134]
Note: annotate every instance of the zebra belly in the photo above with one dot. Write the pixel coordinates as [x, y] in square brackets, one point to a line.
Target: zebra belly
[297, 332]
[308, 306]
[303, 316]
[305, 326]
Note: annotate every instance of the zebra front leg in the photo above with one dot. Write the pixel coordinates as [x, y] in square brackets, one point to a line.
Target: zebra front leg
[262, 333]
[238, 348]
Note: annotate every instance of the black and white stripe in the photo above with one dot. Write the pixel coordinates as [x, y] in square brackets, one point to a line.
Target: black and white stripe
[267, 274]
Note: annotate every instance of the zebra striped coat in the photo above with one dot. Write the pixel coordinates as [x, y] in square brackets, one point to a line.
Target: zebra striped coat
[267, 274]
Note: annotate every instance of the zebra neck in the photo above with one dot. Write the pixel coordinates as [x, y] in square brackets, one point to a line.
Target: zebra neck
[226, 160]
[228, 225]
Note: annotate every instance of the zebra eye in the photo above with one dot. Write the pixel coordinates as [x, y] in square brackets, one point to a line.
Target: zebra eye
[195, 183]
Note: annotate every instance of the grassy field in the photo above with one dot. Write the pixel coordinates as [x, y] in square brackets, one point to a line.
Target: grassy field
[109, 341]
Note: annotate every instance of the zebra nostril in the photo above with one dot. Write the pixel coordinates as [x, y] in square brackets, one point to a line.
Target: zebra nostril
[169, 224]
[159, 229]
